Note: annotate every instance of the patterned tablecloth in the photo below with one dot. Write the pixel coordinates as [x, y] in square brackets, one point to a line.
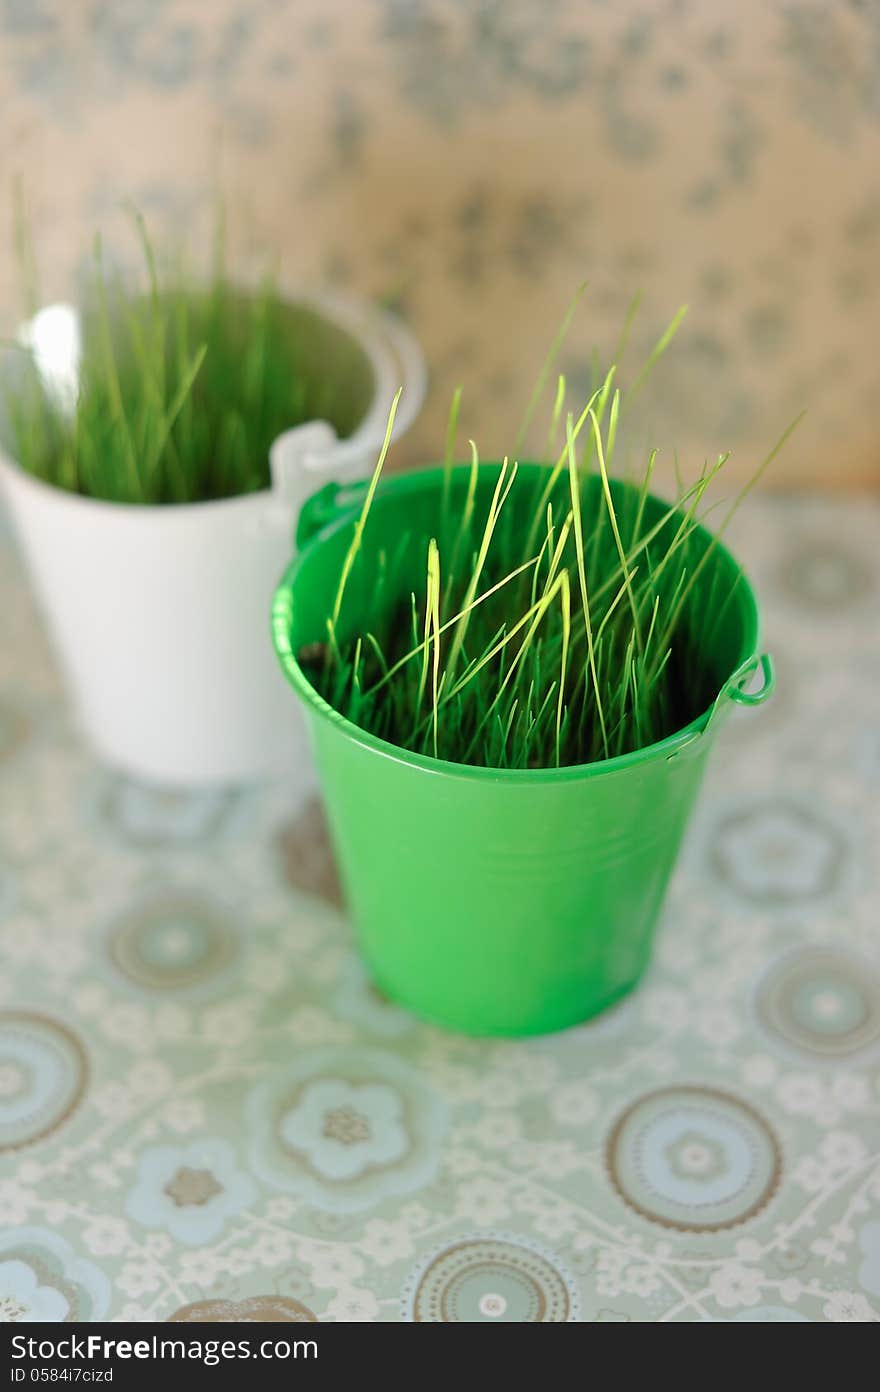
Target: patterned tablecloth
[207, 1112]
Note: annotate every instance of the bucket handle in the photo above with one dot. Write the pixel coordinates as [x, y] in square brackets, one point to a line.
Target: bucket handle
[734, 690]
[322, 508]
[308, 455]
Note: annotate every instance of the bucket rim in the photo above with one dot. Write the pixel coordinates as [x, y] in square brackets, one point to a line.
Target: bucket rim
[421, 480]
[348, 314]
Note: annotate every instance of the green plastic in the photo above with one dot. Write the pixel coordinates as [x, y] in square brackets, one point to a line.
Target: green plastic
[497, 902]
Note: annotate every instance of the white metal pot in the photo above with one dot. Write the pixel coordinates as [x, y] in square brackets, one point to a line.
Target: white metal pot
[160, 614]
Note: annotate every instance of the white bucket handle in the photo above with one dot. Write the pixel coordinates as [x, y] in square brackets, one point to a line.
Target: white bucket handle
[308, 456]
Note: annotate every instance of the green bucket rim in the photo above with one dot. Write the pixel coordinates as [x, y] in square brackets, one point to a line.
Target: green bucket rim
[422, 480]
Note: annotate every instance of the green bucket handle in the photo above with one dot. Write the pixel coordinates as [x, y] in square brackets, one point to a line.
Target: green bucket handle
[323, 507]
[734, 690]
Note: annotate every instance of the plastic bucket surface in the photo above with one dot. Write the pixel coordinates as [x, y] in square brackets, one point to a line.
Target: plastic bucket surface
[498, 901]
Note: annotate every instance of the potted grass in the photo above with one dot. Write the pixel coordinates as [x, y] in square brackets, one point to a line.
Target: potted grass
[513, 675]
[158, 442]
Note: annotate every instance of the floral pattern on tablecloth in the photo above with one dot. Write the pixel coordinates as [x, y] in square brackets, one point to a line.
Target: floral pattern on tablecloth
[207, 1111]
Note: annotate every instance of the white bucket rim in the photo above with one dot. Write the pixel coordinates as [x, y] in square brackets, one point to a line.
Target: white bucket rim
[383, 339]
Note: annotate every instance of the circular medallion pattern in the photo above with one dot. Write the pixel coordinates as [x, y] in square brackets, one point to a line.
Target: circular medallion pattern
[43, 1075]
[173, 941]
[822, 1002]
[491, 1277]
[257, 1309]
[693, 1158]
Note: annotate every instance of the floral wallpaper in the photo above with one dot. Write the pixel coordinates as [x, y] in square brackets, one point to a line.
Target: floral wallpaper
[472, 161]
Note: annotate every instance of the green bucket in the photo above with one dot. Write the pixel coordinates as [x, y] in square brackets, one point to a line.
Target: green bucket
[492, 901]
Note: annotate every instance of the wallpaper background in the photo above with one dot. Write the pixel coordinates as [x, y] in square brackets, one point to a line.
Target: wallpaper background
[474, 160]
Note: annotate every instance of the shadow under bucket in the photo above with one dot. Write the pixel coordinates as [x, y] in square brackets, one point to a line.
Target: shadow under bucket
[493, 901]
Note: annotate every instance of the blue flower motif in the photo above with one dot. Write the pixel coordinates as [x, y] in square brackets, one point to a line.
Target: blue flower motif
[346, 1128]
[43, 1280]
[190, 1192]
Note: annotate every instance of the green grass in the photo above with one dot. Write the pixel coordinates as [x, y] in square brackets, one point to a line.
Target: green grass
[557, 622]
[182, 387]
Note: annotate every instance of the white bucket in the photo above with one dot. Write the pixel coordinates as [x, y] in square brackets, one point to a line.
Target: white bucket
[160, 614]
